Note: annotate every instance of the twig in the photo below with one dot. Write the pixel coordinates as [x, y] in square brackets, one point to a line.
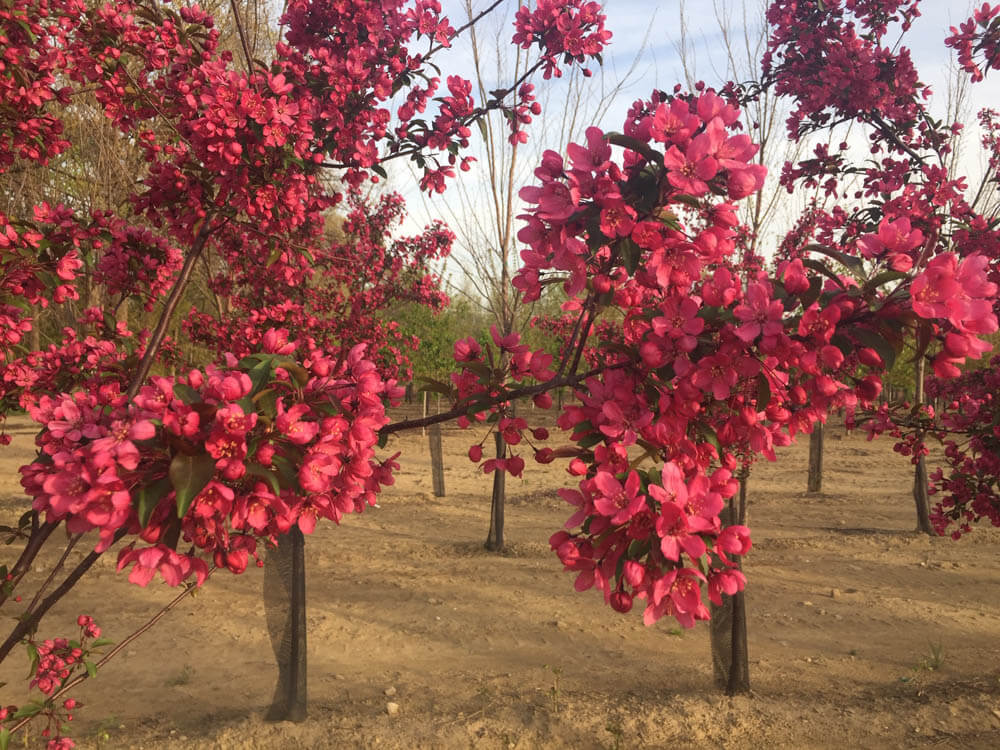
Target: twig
[55, 569]
[472, 22]
[146, 363]
[531, 390]
[39, 534]
[584, 332]
[191, 587]
[30, 621]
[243, 37]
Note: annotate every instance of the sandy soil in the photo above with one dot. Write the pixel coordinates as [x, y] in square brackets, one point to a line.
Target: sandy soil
[862, 633]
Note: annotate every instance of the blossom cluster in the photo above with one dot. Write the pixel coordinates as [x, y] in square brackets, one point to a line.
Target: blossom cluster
[711, 367]
[937, 244]
[219, 459]
[569, 30]
[978, 36]
[54, 661]
[967, 488]
[486, 372]
[829, 55]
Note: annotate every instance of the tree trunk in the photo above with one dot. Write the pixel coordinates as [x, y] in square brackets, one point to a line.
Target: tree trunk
[423, 430]
[285, 610]
[816, 459]
[920, 498]
[437, 460]
[728, 627]
[494, 541]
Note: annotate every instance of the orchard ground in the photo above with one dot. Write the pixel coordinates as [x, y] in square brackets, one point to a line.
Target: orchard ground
[862, 632]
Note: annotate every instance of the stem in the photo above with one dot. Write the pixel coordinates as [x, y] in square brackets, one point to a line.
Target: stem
[472, 22]
[895, 139]
[160, 332]
[488, 107]
[39, 534]
[531, 390]
[28, 623]
[243, 37]
[52, 574]
[191, 587]
[584, 333]
[571, 343]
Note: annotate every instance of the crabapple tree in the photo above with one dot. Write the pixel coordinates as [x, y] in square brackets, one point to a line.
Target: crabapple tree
[200, 468]
[703, 364]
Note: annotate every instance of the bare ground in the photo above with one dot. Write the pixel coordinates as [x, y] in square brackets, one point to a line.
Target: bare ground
[862, 632]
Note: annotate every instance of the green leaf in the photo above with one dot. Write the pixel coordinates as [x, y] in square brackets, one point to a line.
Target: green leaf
[26, 29]
[260, 471]
[637, 549]
[434, 386]
[189, 475]
[4, 738]
[843, 343]
[712, 439]
[260, 374]
[265, 403]
[869, 338]
[91, 668]
[631, 254]
[886, 277]
[287, 473]
[817, 266]
[669, 219]
[186, 393]
[812, 293]
[481, 369]
[850, 261]
[298, 373]
[28, 709]
[481, 122]
[101, 642]
[634, 144]
[32, 659]
[250, 361]
[293, 368]
[475, 404]
[149, 497]
[687, 200]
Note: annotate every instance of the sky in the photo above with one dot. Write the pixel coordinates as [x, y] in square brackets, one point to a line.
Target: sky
[646, 44]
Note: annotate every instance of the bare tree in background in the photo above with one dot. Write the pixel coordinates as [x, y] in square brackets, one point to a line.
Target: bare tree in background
[481, 208]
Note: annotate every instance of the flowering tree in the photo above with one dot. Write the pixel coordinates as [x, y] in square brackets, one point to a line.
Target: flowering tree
[712, 365]
[909, 206]
[968, 490]
[705, 364]
[199, 468]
